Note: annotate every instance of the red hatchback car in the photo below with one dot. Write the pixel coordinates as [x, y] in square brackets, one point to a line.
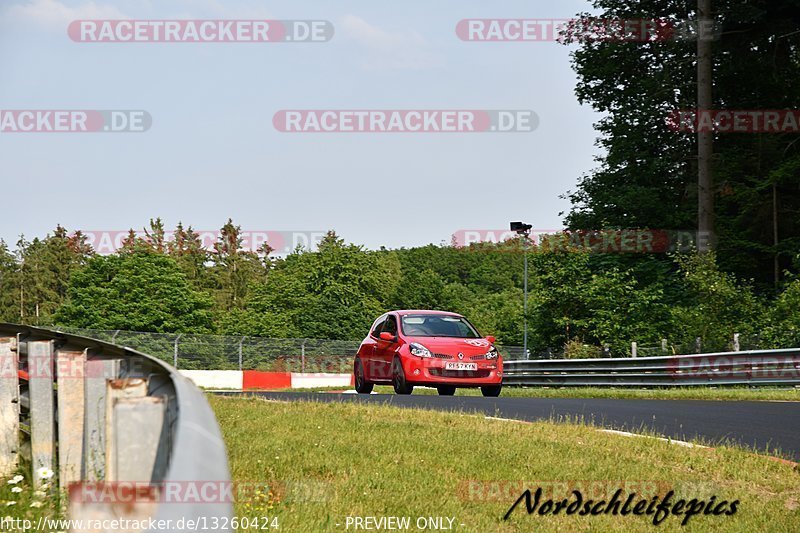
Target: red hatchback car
[432, 348]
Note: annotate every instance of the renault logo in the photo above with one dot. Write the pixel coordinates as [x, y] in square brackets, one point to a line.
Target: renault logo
[461, 356]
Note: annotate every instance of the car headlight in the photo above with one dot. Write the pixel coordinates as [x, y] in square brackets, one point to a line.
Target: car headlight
[492, 353]
[419, 350]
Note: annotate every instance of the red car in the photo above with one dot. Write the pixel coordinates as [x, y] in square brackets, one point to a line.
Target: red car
[432, 348]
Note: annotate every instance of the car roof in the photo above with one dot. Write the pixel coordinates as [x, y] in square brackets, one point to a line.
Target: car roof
[423, 312]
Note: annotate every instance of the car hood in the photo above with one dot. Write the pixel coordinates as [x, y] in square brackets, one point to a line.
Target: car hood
[453, 346]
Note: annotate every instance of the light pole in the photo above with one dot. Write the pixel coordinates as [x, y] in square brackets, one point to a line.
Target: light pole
[524, 230]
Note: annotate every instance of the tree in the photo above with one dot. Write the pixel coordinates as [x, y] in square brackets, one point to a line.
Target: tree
[715, 304]
[647, 177]
[44, 267]
[187, 250]
[139, 291]
[9, 285]
[335, 292]
[234, 269]
[569, 301]
[783, 329]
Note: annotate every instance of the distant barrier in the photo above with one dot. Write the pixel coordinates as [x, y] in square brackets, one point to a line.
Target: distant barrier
[754, 368]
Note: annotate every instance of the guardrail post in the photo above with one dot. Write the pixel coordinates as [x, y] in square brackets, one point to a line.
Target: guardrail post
[9, 400]
[137, 440]
[140, 439]
[735, 342]
[698, 345]
[99, 370]
[240, 353]
[664, 345]
[303, 356]
[175, 354]
[71, 368]
[43, 423]
[633, 349]
[117, 389]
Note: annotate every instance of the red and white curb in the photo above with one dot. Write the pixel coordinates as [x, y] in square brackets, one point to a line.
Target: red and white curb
[258, 380]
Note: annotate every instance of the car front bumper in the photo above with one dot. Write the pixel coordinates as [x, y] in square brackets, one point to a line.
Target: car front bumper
[425, 371]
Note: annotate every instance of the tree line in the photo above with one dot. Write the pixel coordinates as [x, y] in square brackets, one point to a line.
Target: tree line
[577, 300]
[647, 176]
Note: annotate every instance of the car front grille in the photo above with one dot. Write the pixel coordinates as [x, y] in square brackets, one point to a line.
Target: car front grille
[480, 357]
[442, 356]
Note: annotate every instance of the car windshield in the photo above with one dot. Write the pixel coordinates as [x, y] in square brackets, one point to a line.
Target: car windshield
[438, 326]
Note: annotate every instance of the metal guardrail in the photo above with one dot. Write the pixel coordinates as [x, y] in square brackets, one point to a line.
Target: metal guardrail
[754, 368]
[91, 413]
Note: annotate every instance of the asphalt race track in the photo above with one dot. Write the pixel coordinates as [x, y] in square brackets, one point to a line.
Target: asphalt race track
[758, 425]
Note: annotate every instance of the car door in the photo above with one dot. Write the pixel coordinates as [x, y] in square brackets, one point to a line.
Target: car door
[385, 350]
[368, 354]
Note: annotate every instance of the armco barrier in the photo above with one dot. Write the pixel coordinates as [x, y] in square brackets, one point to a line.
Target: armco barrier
[753, 368]
[94, 413]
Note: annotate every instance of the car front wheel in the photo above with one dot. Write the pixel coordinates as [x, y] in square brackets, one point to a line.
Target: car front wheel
[446, 390]
[362, 385]
[493, 391]
[399, 382]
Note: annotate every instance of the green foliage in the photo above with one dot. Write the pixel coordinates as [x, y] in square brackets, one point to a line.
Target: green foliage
[783, 329]
[575, 349]
[34, 280]
[578, 302]
[139, 291]
[334, 293]
[572, 301]
[9, 285]
[715, 304]
[647, 177]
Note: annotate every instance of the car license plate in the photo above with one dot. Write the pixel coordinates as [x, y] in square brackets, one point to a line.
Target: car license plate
[461, 366]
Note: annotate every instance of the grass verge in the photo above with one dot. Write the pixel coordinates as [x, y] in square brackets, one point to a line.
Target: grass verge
[21, 507]
[328, 461]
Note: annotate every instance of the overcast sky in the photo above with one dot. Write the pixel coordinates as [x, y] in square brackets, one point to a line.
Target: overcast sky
[212, 151]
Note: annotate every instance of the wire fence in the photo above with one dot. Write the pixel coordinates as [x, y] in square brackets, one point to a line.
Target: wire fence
[192, 351]
[734, 343]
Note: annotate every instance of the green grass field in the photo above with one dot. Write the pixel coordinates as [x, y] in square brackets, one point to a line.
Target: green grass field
[683, 393]
[329, 461]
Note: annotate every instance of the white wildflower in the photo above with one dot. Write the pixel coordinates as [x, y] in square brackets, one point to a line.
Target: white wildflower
[17, 490]
[36, 504]
[44, 473]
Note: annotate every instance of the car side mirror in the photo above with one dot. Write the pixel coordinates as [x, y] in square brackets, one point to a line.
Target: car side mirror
[490, 338]
[386, 336]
